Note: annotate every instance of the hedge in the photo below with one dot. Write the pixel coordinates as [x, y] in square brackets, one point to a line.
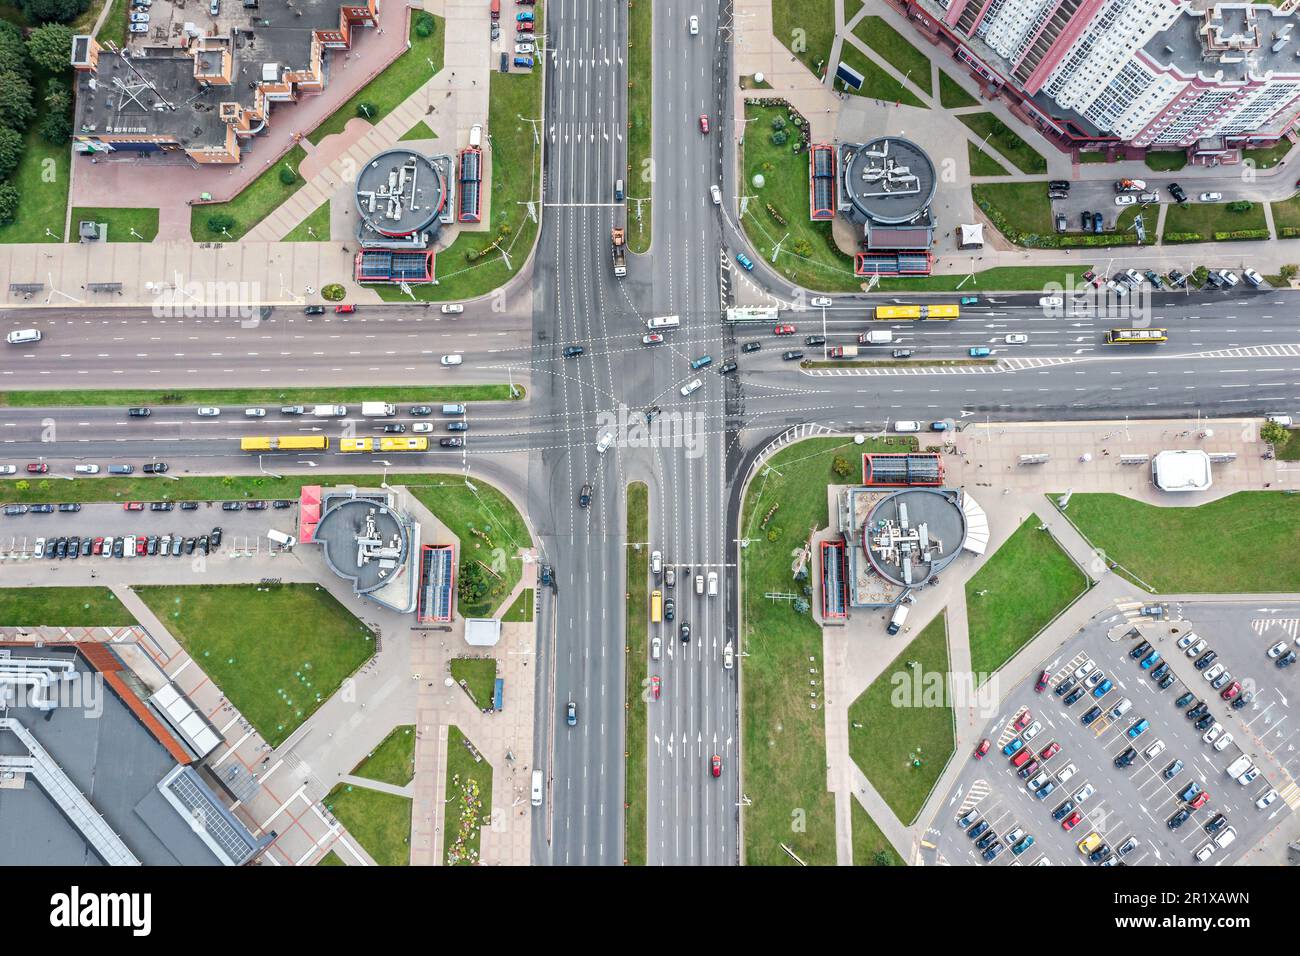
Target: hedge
[1241, 234]
[1289, 232]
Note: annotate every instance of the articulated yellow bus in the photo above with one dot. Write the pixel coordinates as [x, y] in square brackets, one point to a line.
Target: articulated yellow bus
[656, 606]
[899, 313]
[356, 444]
[1136, 336]
[287, 443]
[389, 443]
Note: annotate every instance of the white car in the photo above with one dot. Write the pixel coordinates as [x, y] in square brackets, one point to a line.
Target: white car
[38, 548]
[139, 18]
[656, 648]
[1155, 750]
[690, 387]
[1037, 782]
[1085, 669]
[820, 302]
[1127, 199]
[654, 338]
[453, 308]
[1017, 338]
[452, 359]
[1086, 791]
[1204, 853]
[86, 469]
[524, 48]
[1066, 772]
[1278, 649]
[1186, 640]
[1222, 744]
[694, 24]
[1214, 672]
[422, 428]
[1052, 302]
[255, 413]
[606, 440]
[208, 411]
[1211, 735]
[1032, 731]
[1211, 197]
[1253, 277]
[716, 193]
[1195, 649]
[139, 28]
[8, 469]
[1266, 800]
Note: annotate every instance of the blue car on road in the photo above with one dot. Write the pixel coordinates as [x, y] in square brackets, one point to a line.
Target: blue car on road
[979, 352]
[745, 261]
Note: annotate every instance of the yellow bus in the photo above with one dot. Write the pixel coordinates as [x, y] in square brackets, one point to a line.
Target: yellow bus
[900, 313]
[286, 443]
[1136, 336]
[405, 443]
[656, 606]
[356, 444]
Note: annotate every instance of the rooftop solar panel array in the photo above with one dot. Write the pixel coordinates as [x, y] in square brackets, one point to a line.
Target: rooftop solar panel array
[435, 584]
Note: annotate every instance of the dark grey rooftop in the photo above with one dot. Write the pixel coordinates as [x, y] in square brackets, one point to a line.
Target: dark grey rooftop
[115, 762]
[1183, 48]
[343, 528]
[889, 180]
[399, 192]
[935, 511]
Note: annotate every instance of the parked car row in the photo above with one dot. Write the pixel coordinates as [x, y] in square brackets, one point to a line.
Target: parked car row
[125, 546]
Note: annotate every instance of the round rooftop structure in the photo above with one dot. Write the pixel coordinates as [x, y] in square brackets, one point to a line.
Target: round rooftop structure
[363, 541]
[400, 192]
[889, 180]
[914, 534]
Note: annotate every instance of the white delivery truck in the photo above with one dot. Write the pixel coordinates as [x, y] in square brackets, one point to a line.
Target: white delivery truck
[329, 411]
[876, 337]
[282, 539]
[898, 619]
[378, 410]
[1238, 766]
[538, 782]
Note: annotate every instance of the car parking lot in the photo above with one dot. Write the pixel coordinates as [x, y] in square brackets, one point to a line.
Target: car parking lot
[1096, 785]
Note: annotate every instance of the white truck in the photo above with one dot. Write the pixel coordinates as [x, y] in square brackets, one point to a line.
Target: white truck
[378, 410]
[876, 337]
[1238, 766]
[329, 411]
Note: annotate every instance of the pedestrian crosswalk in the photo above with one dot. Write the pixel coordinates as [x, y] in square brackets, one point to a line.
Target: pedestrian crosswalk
[1291, 795]
[1253, 351]
[979, 789]
[1289, 626]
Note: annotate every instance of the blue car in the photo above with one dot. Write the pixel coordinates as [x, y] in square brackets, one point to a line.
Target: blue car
[1012, 748]
[1138, 729]
[1150, 660]
[1188, 795]
[524, 17]
[1063, 810]
[571, 714]
[1045, 789]
[979, 352]
[1023, 845]
[1102, 689]
[702, 361]
[969, 299]
[526, 62]
[938, 426]
[1090, 716]
[746, 262]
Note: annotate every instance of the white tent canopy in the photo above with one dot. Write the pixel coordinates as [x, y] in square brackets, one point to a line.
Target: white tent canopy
[972, 236]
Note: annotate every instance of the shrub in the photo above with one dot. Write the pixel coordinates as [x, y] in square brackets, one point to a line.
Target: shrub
[1240, 205]
[1241, 234]
[333, 292]
[778, 122]
[367, 111]
[780, 137]
[425, 25]
[221, 222]
[1273, 433]
[1289, 232]
[56, 128]
[287, 175]
[842, 467]
[1183, 237]
[8, 203]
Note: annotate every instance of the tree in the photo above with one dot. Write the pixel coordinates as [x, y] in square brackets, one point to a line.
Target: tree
[842, 466]
[22, 484]
[8, 203]
[780, 137]
[425, 25]
[473, 585]
[13, 51]
[58, 96]
[882, 858]
[221, 222]
[778, 122]
[1288, 272]
[11, 151]
[60, 10]
[288, 176]
[50, 47]
[1273, 433]
[56, 128]
[16, 109]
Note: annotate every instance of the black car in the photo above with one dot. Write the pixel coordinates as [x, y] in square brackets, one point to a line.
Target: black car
[314, 310]
[1217, 824]
[1074, 697]
[572, 351]
[670, 609]
[118, 545]
[155, 468]
[215, 538]
[1126, 758]
[1286, 660]
[161, 506]
[202, 544]
[1100, 854]
[70, 506]
[292, 410]
[281, 503]
[1177, 192]
[1242, 700]
[151, 546]
[727, 367]
[1205, 722]
[189, 506]
[584, 496]
[394, 428]
[1061, 184]
[458, 426]
[419, 410]
[189, 545]
[1185, 699]
[1064, 686]
[1199, 711]
[1090, 716]
[451, 442]
[42, 509]
[1140, 650]
[792, 356]
[232, 506]
[815, 340]
[1160, 672]
[977, 829]
[685, 631]
[1057, 194]
[1206, 659]
[1167, 681]
[74, 547]
[751, 346]
[1179, 818]
[1177, 279]
[1087, 220]
[257, 506]
[984, 841]
[1063, 810]
[138, 412]
[61, 548]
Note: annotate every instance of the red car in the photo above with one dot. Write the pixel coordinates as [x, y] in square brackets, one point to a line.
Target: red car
[654, 686]
[345, 309]
[1042, 682]
[1023, 720]
[1095, 279]
[141, 546]
[983, 748]
[1232, 690]
[715, 765]
[1200, 800]
[704, 123]
[134, 506]
[783, 330]
[1051, 750]
[98, 547]
[1072, 821]
[38, 468]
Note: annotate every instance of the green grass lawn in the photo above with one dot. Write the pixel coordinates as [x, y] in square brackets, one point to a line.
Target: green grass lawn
[891, 45]
[468, 267]
[870, 848]
[488, 511]
[427, 394]
[1166, 161]
[277, 654]
[62, 607]
[952, 95]
[1287, 213]
[808, 255]
[1205, 219]
[636, 673]
[877, 84]
[637, 184]
[386, 92]
[420, 130]
[1024, 205]
[120, 222]
[1270, 157]
[42, 179]
[468, 801]
[807, 29]
[479, 675]
[331, 859]
[318, 223]
[982, 164]
[1185, 550]
[522, 610]
[1087, 157]
[258, 200]
[1001, 279]
[114, 25]
[381, 822]
[1016, 594]
[906, 721]
[784, 740]
[1002, 138]
[1290, 449]
[393, 761]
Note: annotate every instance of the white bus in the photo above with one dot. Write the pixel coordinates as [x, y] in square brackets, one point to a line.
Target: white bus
[664, 322]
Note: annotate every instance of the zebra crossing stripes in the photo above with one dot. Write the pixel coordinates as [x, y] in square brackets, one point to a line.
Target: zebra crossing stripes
[1003, 366]
[979, 789]
[1289, 626]
[1291, 795]
[1253, 351]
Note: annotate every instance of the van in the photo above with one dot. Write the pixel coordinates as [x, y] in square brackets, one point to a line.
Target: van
[1224, 839]
[329, 411]
[23, 336]
[896, 620]
[1238, 766]
[907, 426]
[282, 539]
[618, 189]
[713, 584]
[128, 548]
[453, 409]
[1284, 420]
[86, 469]
[538, 782]
[121, 469]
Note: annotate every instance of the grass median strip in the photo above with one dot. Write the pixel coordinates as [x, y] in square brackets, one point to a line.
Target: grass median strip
[640, 72]
[1016, 594]
[428, 394]
[468, 799]
[894, 48]
[62, 607]
[635, 673]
